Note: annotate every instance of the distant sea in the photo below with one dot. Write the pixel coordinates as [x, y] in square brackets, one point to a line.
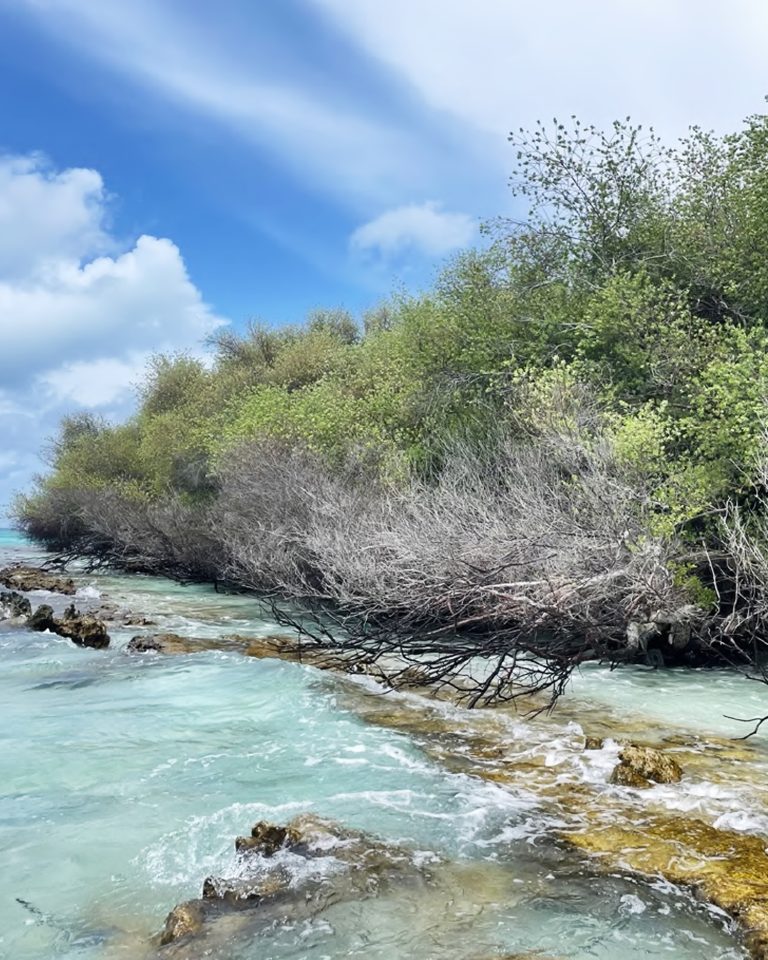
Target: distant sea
[12, 538]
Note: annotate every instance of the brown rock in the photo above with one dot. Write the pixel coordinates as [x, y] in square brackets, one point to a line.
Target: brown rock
[83, 629]
[641, 765]
[42, 619]
[624, 775]
[34, 578]
[267, 838]
[244, 890]
[13, 605]
[137, 620]
[594, 743]
[183, 921]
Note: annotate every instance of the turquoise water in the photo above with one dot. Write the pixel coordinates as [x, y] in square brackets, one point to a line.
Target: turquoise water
[125, 779]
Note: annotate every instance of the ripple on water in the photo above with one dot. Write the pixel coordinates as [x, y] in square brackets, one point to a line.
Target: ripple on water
[126, 780]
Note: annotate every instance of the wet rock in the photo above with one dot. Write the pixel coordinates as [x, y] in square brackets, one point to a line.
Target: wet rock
[594, 743]
[267, 838]
[248, 891]
[266, 882]
[34, 578]
[288, 648]
[13, 605]
[42, 619]
[723, 867]
[83, 629]
[185, 920]
[624, 775]
[639, 766]
[173, 643]
[107, 611]
[136, 620]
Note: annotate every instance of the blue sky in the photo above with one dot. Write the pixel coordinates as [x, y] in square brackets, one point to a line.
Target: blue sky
[169, 166]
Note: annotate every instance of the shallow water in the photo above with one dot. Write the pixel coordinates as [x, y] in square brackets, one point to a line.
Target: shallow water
[125, 780]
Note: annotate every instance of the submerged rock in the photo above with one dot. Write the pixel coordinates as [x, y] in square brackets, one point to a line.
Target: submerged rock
[136, 620]
[83, 629]
[173, 643]
[276, 869]
[34, 578]
[289, 648]
[184, 920]
[13, 605]
[639, 766]
[267, 838]
[726, 868]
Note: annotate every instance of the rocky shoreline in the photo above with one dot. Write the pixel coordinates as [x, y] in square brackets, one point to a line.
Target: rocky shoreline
[722, 867]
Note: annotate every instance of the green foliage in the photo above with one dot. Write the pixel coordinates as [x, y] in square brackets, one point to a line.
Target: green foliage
[634, 296]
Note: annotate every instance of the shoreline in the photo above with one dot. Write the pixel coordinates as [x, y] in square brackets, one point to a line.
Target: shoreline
[486, 754]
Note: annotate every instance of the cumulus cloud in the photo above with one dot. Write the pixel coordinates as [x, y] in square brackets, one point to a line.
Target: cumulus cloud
[60, 302]
[423, 227]
[48, 215]
[79, 312]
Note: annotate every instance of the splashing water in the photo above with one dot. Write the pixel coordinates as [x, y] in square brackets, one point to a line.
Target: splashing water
[126, 778]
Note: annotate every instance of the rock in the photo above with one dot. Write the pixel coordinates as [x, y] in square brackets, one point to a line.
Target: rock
[239, 892]
[183, 921]
[725, 867]
[42, 619]
[33, 578]
[13, 605]
[640, 765]
[107, 611]
[267, 838]
[277, 886]
[83, 629]
[593, 743]
[624, 775]
[137, 620]
[172, 643]
[286, 648]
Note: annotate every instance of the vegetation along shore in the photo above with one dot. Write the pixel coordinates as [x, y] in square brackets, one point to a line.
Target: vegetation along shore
[556, 454]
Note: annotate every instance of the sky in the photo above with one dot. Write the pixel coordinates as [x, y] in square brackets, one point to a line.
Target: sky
[169, 167]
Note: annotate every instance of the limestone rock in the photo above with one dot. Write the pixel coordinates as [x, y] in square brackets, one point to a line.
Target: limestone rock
[184, 920]
[271, 885]
[724, 867]
[173, 643]
[639, 766]
[267, 838]
[83, 629]
[136, 620]
[13, 605]
[252, 891]
[42, 619]
[34, 578]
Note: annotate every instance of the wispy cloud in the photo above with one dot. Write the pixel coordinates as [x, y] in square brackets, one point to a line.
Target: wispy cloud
[495, 65]
[424, 228]
[326, 136]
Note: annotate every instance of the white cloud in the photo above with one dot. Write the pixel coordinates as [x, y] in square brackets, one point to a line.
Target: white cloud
[59, 304]
[47, 215]
[424, 227]
[77, 325]
[95, 383]
[494, 64]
